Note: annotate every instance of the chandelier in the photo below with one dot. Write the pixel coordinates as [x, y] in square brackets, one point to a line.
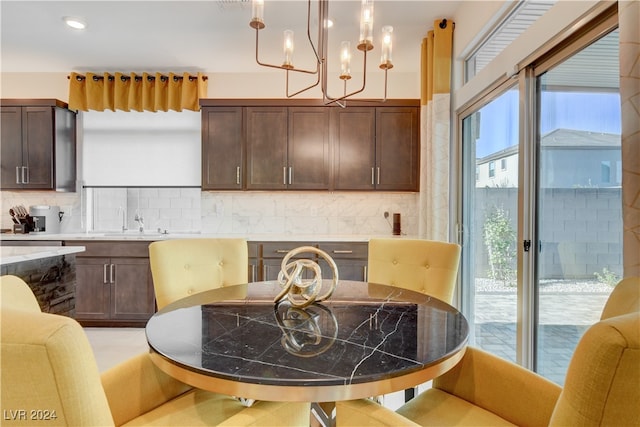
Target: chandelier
[320, 48]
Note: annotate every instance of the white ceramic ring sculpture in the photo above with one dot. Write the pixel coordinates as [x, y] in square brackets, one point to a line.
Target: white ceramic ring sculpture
[301, 291]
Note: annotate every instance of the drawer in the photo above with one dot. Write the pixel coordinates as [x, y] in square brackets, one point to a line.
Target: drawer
[345, 250]
[280, 249]
[111, 248]
[253, 249]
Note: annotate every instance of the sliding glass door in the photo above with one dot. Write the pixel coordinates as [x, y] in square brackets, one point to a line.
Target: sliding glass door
[490, 204]
[579, 217]
[540, 203]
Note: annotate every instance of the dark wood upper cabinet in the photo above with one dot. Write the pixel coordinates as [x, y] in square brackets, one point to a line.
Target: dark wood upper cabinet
[354, 155]
[308, 148]
[397, 149]
[38, 146]
[266, 138]
[222, 148]
[304, 145]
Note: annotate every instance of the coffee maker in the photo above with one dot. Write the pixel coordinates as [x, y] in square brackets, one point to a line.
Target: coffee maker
[46, 219]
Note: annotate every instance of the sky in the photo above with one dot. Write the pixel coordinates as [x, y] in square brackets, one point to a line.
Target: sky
[587, 111]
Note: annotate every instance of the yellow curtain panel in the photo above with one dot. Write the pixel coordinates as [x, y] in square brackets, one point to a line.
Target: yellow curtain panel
[436, 60]
[132, 92]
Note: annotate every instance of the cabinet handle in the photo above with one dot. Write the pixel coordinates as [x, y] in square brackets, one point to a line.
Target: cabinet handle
[25, 181]
[378, 183]
[284, 175]
[253, 273]
[104, 273]
[364, 274]
[238, 175]
[373, 176]
[264, 272]
[342, 251]
[282, 251]
[18, 175]
[112, 273]
[290, 174]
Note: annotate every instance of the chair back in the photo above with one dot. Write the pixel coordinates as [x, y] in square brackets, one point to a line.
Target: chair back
[602, 386]
[426, 266]
[16, 294]
[183, 267]
[47, 366]
[625, 298]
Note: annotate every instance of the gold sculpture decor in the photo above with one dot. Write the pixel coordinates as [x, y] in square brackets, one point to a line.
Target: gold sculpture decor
[301, 279]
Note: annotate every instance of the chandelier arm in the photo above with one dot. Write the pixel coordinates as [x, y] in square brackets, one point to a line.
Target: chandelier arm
[301, 90]
[364, 84]
[320, 27]
[279, 67]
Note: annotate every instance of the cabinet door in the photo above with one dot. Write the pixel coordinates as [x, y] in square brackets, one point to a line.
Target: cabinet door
[222, 148]
[266, 133]
[132, 289]
[353, 144]
[350, 259]
[308, 148]
[92, 288]
[11, 147]
[397, 149]
[37, 140]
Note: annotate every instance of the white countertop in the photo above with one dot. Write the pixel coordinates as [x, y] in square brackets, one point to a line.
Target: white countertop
[152, 236]
[13, 254]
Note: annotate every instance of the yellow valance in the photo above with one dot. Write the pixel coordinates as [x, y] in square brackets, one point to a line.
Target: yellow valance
[131, 92]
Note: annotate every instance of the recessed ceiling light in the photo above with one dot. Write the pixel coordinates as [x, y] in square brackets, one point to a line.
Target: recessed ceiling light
[75, 22]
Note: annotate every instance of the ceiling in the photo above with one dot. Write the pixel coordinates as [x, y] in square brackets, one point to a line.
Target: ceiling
[211, 36]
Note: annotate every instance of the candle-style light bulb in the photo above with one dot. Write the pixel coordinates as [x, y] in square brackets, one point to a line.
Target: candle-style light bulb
[345, 60]
[288, 49]
[366, 25]
[257, 14]
[385, 60]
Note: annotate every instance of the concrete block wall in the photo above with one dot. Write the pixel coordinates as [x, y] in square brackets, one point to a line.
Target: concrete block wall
[580, 230]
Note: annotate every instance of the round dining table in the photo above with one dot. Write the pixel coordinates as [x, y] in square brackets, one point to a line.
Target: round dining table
[366, 340]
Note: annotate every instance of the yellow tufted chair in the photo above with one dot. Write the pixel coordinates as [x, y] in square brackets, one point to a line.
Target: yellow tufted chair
[602, 386]
[182, 267]
[425, 266]
[625, 298]
[48, 370]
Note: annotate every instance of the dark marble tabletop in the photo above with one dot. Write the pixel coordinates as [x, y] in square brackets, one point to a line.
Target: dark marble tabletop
[364, 333]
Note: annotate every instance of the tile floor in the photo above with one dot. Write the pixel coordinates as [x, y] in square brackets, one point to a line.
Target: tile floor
[114, 345]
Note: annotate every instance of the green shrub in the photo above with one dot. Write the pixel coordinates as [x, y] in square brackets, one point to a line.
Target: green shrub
[500, 240]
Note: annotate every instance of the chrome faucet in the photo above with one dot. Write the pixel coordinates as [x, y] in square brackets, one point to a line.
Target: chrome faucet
[140, 221]
[124, 219]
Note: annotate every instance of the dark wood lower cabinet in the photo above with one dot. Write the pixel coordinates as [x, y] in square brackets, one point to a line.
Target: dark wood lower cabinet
[114, 286]
[114, 291]
[350, 258]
